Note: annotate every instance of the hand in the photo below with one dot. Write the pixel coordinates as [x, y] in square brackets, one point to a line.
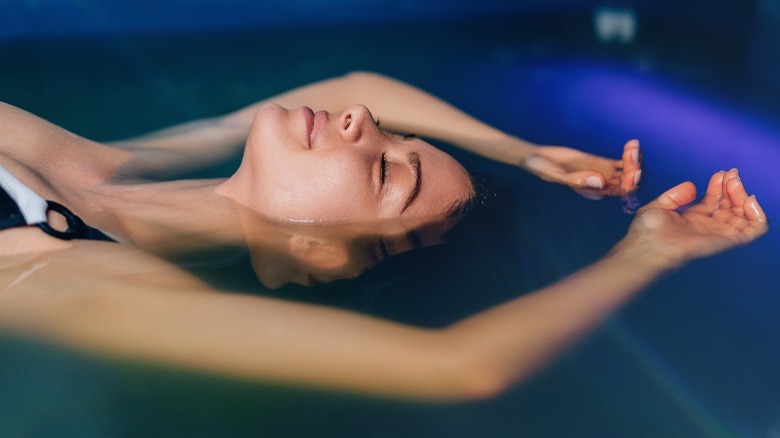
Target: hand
[589, 175]
[724, 218]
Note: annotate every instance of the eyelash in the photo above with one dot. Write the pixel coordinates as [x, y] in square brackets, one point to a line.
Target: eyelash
[383, 174]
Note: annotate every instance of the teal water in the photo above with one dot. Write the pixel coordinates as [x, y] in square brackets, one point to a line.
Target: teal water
[697, 355]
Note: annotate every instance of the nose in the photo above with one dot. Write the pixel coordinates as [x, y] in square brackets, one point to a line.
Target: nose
[355, 121]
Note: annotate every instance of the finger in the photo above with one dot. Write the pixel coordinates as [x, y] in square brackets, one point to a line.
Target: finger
[711, 201]
[753, 210]
[630, 180]
[674, 198]
[737, 195]
[725, 202]
[631, 155]
[758, 220]
[632, 168]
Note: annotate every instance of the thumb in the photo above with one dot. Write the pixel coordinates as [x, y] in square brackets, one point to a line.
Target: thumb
[674, 198]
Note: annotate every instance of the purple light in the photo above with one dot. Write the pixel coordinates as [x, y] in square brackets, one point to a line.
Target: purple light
[690, 131]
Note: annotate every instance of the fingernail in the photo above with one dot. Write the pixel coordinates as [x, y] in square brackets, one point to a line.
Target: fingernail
[637, 177]
[594, 182]
[754, 206]
[635, 155]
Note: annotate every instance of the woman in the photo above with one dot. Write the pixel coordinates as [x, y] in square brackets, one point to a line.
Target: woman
[129, 303]
[297, 165]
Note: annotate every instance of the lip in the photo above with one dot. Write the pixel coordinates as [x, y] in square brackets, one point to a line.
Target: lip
[318, 121]
[308, 118]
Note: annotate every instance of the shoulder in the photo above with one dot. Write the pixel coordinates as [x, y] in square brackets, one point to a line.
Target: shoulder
[32, 146]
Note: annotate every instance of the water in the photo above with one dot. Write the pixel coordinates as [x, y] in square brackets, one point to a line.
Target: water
[696, 355]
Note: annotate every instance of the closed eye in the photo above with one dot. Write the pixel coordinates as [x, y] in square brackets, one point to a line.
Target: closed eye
[384, 166]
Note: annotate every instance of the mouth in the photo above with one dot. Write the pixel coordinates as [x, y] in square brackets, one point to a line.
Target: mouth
[320, 118]
[308, 117]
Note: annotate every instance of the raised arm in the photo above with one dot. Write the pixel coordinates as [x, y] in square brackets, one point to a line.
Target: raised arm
[399, 106]
[202, 143]
[152, 312]
[404, 108]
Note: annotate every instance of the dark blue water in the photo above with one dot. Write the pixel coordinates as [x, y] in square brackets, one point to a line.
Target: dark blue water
[697, 355]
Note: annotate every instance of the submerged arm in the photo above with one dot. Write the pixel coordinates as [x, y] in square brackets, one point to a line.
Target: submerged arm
[172, 320]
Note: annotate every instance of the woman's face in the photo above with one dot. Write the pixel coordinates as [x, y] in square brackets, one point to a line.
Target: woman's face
[341, 167]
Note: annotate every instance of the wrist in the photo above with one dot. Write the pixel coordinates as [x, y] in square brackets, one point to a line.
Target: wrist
[646, 254]
[516, 151]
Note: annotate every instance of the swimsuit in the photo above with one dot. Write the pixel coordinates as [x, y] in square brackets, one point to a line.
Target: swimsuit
[20, 206]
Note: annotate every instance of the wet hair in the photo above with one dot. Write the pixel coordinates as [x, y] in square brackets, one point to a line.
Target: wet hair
[484, 195]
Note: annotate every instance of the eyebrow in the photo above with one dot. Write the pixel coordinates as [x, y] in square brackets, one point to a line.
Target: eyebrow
[414, 162]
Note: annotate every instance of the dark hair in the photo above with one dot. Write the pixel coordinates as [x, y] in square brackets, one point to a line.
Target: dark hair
[486, 196]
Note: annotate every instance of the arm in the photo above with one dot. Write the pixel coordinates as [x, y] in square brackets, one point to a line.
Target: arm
[170, 318]
[174, 321]
[659, 240]
[204, 142]
[403, 108]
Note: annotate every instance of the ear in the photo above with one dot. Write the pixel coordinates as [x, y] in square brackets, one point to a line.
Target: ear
[318, 253]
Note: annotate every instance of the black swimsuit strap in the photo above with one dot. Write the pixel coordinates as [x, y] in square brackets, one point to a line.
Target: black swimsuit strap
[77, 229]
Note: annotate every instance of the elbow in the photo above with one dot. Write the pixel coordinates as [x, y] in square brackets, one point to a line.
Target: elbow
[480, 386]
[470, 377]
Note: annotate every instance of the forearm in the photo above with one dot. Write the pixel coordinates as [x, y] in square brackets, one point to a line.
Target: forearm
[510, 342]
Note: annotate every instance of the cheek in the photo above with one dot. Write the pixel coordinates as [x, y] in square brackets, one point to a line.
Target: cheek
[322, 190]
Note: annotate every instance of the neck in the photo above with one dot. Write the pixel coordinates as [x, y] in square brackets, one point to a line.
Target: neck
[166, 217]
[175, 217]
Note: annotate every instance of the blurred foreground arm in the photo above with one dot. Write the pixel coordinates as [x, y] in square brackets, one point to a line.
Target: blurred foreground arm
[134, 306]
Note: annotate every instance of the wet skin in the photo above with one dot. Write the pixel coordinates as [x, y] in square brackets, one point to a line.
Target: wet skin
[308, 166]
